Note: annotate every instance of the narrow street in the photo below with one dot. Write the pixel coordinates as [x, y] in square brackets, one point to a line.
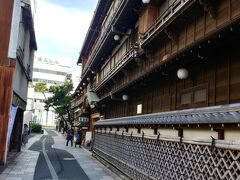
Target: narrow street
[46, 156]
[55, 163]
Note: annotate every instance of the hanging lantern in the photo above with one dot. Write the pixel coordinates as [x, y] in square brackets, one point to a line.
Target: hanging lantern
[145, 1]
[125, 97]
[182, 73]
[116, 37]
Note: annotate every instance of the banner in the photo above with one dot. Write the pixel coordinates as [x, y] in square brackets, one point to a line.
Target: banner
[11, 122]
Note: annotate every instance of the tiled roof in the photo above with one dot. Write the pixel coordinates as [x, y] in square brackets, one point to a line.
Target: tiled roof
[207, 115]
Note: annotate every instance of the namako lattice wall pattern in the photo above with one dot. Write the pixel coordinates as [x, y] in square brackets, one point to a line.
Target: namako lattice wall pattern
[146, 158]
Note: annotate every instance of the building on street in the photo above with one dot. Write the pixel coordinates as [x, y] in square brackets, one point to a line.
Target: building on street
[18, 44]
[163, 77]
[52, 71]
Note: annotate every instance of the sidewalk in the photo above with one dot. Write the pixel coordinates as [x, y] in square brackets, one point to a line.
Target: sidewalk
[22, 167]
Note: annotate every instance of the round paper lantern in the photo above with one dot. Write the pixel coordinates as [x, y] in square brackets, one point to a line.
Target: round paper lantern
[116, 37]
[125, 97]
[182, 73]
[145, 1]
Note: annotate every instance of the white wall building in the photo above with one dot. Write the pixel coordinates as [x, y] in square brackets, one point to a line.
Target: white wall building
[75, 76]
[52, 71]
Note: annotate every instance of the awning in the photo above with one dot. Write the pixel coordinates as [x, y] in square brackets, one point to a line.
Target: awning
[207, 115]
[91, 96]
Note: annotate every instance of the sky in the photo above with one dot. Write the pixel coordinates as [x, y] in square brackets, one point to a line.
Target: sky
[61, 26]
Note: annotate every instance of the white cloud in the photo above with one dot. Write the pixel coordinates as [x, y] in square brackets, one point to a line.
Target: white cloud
[61, 28]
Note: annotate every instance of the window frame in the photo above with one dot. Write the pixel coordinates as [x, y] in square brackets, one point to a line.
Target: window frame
[193, 103]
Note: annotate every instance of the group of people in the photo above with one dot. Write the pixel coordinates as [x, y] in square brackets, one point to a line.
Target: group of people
[70, 137]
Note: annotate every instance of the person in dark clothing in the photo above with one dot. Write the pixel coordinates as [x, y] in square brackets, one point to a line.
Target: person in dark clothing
[79, 138]
[70, 135]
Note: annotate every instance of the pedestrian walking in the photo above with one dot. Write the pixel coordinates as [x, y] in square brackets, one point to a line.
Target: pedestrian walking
[79, 138]
[70, 135]
[25, 134]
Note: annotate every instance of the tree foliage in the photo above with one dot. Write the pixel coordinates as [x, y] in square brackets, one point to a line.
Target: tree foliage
[41, 87]
[61, 99]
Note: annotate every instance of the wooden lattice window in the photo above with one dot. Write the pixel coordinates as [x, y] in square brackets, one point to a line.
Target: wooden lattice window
[194, 97]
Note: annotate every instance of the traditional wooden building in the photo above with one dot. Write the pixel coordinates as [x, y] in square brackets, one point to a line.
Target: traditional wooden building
[17, 48]
[166, 73]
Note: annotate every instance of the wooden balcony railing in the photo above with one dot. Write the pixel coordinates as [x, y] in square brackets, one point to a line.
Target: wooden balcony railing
[130, 54]
[104, 31]
[20, 59]
[164, 19]
[76, 103]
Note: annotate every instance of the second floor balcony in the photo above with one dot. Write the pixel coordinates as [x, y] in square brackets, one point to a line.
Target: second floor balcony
[119, 65]
[165, 19]
[120, 11]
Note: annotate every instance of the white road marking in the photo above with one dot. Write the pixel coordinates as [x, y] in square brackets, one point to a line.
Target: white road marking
[50, 166]
[69, 159]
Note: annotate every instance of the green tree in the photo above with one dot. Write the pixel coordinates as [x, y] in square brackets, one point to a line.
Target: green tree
[41, 87]
[61, 100]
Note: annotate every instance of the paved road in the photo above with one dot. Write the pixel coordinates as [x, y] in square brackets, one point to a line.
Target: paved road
[55, 163]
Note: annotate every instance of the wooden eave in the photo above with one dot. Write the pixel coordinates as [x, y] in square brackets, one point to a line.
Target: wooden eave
[94, 28]
[28, 19]
[174, 21]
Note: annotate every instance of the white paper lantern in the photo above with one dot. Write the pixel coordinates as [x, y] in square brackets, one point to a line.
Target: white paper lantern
[182, 73]
[116, 37]
[125, 97]
[145, 1]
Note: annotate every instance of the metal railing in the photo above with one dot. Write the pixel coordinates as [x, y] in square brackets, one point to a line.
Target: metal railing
[77, 102]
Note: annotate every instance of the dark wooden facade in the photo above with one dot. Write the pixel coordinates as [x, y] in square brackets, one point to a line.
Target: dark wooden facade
[199, 36]
[168, 35]
[217, 75]
[206, 46]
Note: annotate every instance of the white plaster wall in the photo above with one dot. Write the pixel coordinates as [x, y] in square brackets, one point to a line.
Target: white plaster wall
[107, 130]
[122, 130]
[114, 130]
[133, 130]
[20, 81]
[147, 131]
[200, 134]
[13, 43]
[232, 135]
[168, 132]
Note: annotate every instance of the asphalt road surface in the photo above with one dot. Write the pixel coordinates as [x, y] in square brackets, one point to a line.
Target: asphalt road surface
[55, 163]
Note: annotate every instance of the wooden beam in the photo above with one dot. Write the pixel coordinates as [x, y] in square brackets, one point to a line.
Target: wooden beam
[171, 35]
[209, 6]
[6, 77]
[125, 72]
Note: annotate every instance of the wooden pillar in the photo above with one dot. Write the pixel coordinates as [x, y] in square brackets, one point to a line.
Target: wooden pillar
[6, 73]
[93, 118]
[6, 10]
